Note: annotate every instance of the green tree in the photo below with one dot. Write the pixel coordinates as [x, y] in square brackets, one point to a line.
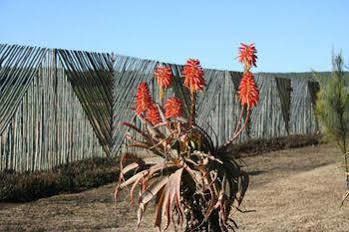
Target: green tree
[332, 109]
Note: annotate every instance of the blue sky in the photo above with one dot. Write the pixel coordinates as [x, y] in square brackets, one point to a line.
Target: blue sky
[290, 36]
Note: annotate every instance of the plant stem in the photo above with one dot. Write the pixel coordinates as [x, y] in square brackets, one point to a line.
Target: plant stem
[192, 109]
[161, 94]
[346, 167]
[239, 120]
[345, 157]
[243, 127]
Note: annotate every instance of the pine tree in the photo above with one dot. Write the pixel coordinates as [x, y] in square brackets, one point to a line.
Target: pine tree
[332, 109]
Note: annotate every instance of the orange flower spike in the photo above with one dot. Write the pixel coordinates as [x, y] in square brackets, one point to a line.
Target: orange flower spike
[248, 90]
[173, 107]
[143, 98]
[193, 76]
[163, 77]
[153, 114]
[248, 54]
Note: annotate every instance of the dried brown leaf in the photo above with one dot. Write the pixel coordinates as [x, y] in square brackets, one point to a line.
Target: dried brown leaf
[170, 194]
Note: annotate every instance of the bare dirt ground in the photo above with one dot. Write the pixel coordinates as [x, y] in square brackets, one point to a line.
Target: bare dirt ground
[290, 190]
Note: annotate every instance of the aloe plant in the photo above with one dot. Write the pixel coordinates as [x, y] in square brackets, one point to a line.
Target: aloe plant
[196, 184]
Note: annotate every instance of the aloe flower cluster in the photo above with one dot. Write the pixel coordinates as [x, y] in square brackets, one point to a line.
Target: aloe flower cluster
[163, 76]
[193, 76]
[153, 114]
[194, 81]
[248, 90]
[173, 108]
[197, 183]
[247, 54]
[143, 98]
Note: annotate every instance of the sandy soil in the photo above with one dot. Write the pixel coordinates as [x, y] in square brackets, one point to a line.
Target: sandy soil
[291, 190]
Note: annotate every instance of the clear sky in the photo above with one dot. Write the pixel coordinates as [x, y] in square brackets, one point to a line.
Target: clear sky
[290, 36]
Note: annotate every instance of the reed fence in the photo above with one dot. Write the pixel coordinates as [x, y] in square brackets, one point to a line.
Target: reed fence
[59, 106]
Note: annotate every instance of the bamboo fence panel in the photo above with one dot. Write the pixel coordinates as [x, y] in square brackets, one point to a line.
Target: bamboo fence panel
[284, 89]
[302, 118]
[49, 127]
[267, 118]
[18, 65]
[90, 75]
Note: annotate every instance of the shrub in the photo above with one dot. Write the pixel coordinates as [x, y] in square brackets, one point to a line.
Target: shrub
[67, 178]
[332, 109]
[257, 146]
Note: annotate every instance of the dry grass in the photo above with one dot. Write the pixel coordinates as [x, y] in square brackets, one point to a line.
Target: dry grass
[291, 190]
[296, 190]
